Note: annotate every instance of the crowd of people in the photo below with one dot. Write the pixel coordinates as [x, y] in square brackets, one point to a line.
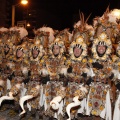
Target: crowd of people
[63, 75]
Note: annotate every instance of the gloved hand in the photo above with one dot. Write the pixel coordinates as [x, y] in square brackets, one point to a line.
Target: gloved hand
[61, 76]
[69, 70]
[97, 65]
[29, 73]
[111, 77]
[44, 80]
[11, 76]
[84, 75]
[89, 81]
[26, 80]
[118, 86]
[65, 82]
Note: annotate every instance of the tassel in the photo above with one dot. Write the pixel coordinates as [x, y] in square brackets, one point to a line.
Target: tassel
[75, 103]
[27, 97]
[10, 97]
[55, 102]
[21, 102]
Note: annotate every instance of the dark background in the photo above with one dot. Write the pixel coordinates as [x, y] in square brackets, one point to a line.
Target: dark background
[57, 14]
[60, 14]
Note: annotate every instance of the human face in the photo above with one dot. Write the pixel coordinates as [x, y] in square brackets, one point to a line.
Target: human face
[19, 53]
[56, 50]
[77, 51]
[35, 53]
[101, 49]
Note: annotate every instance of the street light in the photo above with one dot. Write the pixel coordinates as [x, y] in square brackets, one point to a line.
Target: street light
[24, 2]
[28, 24]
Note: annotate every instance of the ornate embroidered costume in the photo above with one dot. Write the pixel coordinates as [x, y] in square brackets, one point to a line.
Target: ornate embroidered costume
[77, 71]
[116, 60]
[100, 93]
[6, 63]
[36, 54]
[55, 63]
[21, 66]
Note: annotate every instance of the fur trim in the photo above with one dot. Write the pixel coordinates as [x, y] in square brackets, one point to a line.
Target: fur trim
[102, 38]
[79, 41]
[39, 47]
[58, 42]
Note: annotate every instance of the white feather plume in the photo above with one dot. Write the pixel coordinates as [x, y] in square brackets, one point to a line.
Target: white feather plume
[50, 30]
[114, 15]
[3, 29]
[22, 30]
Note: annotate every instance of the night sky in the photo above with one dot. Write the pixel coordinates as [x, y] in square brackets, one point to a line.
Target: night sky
[60, 14]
